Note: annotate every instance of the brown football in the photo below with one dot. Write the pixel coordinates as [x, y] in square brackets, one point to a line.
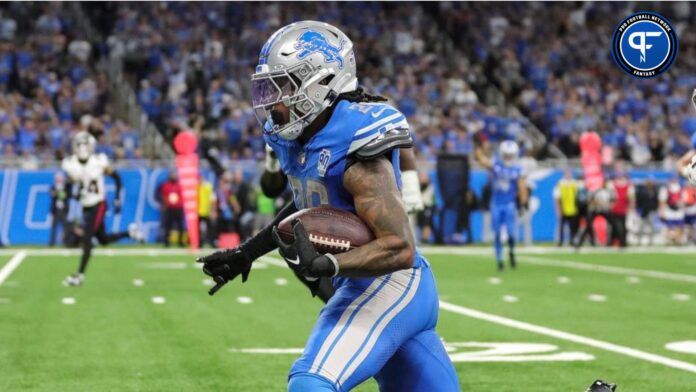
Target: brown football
[331, 230]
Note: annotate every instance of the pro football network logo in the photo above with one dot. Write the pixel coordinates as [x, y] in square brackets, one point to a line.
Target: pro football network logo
[645, 44]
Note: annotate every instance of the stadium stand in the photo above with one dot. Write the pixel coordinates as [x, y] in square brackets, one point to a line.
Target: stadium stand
[183, 72]
[189, 65]
[52, 87]
[553, 61]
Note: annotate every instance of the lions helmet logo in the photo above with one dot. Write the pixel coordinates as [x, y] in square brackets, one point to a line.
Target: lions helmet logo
[312, 42]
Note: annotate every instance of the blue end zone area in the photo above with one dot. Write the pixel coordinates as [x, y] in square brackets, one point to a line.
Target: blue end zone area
[25, 201]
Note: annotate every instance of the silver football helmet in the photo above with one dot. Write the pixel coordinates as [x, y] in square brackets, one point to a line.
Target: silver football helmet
[509, 151]
[84, 145]
[304, 65]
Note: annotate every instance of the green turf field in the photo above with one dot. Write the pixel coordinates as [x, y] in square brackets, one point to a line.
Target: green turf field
[606, 315]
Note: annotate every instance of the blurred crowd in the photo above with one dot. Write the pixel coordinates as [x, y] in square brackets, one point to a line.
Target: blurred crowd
[51, 87]
[553, 61]
[191, 63]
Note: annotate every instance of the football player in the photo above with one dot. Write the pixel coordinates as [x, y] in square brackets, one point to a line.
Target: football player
[339, 146]
[273, 183]
[508, 186]
[87, 169]
[686, 168]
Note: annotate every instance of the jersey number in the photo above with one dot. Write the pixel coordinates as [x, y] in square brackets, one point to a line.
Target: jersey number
[308, 193]
[91, 188]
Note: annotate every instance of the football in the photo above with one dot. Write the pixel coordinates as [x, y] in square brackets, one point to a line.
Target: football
[331, 230]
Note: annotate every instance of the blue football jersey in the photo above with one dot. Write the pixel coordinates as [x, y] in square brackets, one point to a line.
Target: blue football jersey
[315, 170]
[504, 182]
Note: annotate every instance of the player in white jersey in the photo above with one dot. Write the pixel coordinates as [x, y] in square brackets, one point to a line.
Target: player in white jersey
[86, 170]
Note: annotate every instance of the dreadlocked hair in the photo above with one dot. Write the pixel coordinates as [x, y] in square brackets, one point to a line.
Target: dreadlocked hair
[360, 95]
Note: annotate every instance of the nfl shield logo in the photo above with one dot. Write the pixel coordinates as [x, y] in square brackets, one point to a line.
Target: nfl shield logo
[323, 164]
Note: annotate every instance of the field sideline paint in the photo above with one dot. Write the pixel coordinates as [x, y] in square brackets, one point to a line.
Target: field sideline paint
[606, 346]
[11, 265]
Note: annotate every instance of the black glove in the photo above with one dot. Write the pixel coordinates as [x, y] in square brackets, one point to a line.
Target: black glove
[117, 207]
[601, 386]
[301, 255]
[225, 265]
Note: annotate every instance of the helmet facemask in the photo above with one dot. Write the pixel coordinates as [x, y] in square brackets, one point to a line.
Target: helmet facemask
[84, 146]
[270, 89]
[509, 152]
[304, 66]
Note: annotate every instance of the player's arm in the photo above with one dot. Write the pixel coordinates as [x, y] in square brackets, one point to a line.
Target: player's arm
[482, 158]
[69, 182]
[109, 171]
[523, 191]
[225, 265]
[410, 184]
[683, 163]
[378, 202]
[273, 180]
[685, 159]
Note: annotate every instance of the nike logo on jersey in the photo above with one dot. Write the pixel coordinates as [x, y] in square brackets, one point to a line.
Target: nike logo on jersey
[378, 113]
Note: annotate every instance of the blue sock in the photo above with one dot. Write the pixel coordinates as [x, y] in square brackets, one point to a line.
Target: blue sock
[498, 245]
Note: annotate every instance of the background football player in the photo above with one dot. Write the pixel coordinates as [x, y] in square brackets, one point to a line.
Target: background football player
[87, 170]
[687, 168]
[338, 145]
[508, 187]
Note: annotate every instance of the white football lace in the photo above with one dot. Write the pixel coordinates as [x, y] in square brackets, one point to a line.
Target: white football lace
[330, 242]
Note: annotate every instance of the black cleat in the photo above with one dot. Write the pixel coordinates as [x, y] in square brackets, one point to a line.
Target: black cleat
[601, 386]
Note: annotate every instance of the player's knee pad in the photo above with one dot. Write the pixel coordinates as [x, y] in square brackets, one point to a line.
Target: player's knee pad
[304, 382]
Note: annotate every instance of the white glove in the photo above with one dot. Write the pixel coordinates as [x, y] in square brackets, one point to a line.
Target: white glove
[410, 191]
[272, 164]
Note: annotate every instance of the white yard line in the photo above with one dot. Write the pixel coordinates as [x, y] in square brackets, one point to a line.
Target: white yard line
[428, 250]
[609, 269]
[274, 260]
[12, 265]
[615, 348]
[606, 346]
[154, 252]
[548, 250]
[569, 263]
[271, 260]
